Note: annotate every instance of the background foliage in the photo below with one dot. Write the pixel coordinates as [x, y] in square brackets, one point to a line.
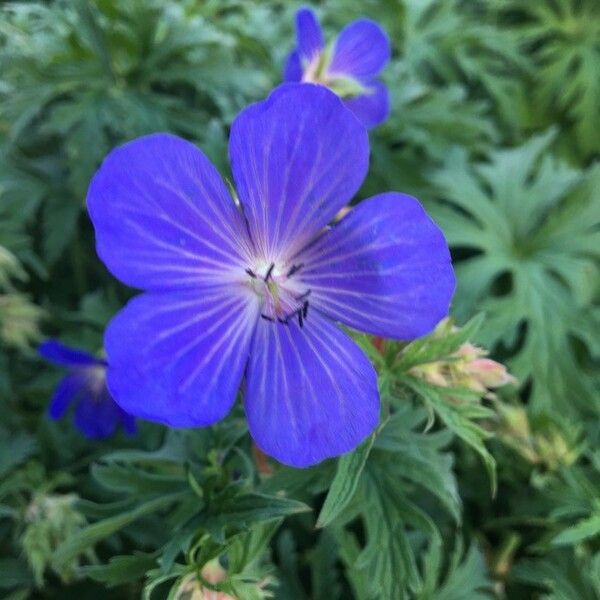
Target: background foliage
[495, 126]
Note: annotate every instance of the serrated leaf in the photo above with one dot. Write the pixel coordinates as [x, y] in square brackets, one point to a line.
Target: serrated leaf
[531, 225]
[583, 530]
[459, 418]
[92, 534]
[345, 482]
[121, 569]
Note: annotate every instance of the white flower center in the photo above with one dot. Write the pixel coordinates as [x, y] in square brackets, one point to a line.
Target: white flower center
[284, 296]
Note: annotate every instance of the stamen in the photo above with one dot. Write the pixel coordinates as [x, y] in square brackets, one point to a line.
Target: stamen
[269, 272]
[300, 318]
[251, 273]
[294, 269]
[305, 309]
[266, 318]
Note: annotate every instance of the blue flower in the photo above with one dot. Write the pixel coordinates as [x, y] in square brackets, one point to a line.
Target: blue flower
[97, 415]
[254, 286]
[348, 66]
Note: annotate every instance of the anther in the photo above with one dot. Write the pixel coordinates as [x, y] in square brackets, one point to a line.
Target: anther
[269, 272]
[294, 269]
[305, 309]
[251, 273]
[300, 318]
[265, 317]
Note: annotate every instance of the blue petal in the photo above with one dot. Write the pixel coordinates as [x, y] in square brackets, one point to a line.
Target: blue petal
[293, 68]
[164, 218]
[297, 158]
[373, 108]
[384, 269]
[97, 416]
[309, 37]
[311, 392]
[361, 50]
[59, 354]
[66, 391]
[129, 423]
[178, 359]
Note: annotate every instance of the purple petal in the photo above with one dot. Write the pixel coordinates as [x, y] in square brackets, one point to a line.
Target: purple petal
[384, 269]
[361, 50]
[129, 423]
[59, 354]
[311, 392]
[373, 108]
[97, 416]
[178, 358]
[66, 391]
[293, 68]
[297, 158]
[163, 216]
[309, 37]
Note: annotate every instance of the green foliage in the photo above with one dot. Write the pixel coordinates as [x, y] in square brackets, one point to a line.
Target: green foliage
[462, 493]
[530, 225]
[562, 38]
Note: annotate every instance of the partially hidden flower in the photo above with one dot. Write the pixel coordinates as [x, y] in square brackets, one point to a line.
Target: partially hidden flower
[540, 439]
[348, 66]
[199, 588]
[97, 415]
[254, 286]
[469, 368]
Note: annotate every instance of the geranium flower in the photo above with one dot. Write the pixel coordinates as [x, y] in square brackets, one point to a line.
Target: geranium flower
[97, 415]
[256, 285]
[348, 66]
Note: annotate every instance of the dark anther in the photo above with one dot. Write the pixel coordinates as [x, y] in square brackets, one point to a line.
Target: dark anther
[251, 273]
[305, 309]
[265, 317]
[300, 318]
[304, 296]
[294, 269]
[269, 272]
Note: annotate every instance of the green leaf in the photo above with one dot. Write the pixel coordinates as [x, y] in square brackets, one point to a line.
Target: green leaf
[467, 576]
[417, 457]
[92, 534]
[562, 38]
[583, 530]
[243, 510]
[459, 418]
[121, 569]
[530, 223]
[345, 482]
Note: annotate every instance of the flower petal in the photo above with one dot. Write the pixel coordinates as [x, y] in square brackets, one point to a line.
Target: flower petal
[129, 423]
[309, 37]
[66, 391]
[178, 358]
[384, 268]
[59, 354]
[97, 417]
[361, 50]
[311, 392]
[163, 216]
[297, 158]
[373, 108]
[293, 68]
